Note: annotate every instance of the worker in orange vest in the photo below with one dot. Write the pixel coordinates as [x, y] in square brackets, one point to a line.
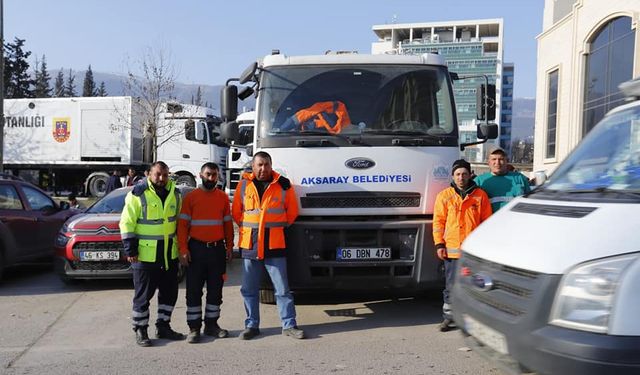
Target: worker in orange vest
[265, 204]
[458, 210]
[205, 239]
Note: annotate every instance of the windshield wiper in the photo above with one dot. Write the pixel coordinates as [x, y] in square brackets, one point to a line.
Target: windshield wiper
[604, 190]
[315, 132]
[393, 132]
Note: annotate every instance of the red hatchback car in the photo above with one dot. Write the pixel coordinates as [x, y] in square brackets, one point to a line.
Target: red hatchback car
[89, 245]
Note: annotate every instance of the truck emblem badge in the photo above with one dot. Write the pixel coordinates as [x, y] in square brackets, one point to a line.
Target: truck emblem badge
[61, 129]
[359, 163]
[441, 172]
[482, 282]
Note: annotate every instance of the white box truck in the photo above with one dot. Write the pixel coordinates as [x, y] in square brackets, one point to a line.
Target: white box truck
[74, 144]
[238, 158]
[549, 284]
[366, 190]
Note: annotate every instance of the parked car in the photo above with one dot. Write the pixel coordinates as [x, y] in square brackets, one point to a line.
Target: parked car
[89, 246]
[29, 221]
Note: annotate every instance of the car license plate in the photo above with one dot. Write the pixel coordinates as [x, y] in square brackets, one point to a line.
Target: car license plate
[96, 256]
[363, 253]
[486, 335]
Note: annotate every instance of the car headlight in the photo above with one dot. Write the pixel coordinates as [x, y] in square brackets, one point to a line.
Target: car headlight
[585, 296]
[61, 240]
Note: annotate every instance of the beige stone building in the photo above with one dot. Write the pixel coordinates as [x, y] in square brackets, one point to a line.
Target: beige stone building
[586, 49]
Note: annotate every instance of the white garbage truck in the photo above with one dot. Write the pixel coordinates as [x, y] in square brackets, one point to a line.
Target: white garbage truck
[74, 144]
[367, 142]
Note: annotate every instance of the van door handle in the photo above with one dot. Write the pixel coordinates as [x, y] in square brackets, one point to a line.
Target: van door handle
[186, 156]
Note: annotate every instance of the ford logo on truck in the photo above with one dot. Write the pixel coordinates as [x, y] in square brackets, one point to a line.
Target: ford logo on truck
[359, 163]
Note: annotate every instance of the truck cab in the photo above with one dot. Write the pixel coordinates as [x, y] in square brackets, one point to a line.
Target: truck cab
[239, 158]
[367, 142]
[549, 283]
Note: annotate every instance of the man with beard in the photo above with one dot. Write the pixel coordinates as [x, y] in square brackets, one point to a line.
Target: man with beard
[205, 238]
[264, 204]
[148, 230]
[458, 210]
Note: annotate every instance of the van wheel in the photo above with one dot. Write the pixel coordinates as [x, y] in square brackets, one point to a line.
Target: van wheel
[98, 185]
[186, 180]
[267, 296]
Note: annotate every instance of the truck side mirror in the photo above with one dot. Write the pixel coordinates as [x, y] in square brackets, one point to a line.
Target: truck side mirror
[249, 73]
[245, 92]
[201, 131]
[486, 102]
[487, 131]
[249, 150]
[229, 131]
[229, 103]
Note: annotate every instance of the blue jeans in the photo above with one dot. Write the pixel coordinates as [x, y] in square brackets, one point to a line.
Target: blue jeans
[449, 277]
[251, 278]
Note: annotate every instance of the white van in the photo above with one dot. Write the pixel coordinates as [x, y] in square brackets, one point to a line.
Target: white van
[551, 282]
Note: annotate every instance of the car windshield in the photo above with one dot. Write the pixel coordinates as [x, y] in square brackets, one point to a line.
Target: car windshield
[371, 101]
[608, 160]
[112, 203]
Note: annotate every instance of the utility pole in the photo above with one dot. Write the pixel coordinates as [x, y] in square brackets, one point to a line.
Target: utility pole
[1, 86]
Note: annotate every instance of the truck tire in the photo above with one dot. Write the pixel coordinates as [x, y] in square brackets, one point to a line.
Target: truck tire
[186, 180]
[267, 296]
[98, 185]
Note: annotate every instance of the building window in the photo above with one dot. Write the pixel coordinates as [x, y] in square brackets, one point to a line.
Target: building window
[608, 64]
[552, 114]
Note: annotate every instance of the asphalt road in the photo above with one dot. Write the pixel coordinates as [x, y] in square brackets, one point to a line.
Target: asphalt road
[49, 328]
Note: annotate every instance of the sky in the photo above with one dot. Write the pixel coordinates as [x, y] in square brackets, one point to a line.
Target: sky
[209, 41]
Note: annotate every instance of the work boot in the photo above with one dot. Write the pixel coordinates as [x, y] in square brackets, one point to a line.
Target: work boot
[142, 338]
[165, 332]
[194, 336]
[249, 333]
[294, 332]
[213, 329]
[446, 325]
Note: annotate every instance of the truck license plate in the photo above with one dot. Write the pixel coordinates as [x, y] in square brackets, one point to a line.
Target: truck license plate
[486, 335]
[97, 256]
[363, 253]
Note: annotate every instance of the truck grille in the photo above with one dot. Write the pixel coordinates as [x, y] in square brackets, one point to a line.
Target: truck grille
[513, 288]
[360, 200]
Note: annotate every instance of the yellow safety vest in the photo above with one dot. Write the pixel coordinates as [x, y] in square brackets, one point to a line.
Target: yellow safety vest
[144, 217]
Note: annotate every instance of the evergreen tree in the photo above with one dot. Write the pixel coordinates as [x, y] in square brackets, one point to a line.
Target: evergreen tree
[102, 90]
[198, 97]
[58, 88]
[17, 81]
[70, 86]
[89, 86]
[42, 89]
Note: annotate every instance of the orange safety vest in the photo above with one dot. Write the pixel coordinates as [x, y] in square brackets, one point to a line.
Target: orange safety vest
[332, 116]
[277, 210]
[454, 218]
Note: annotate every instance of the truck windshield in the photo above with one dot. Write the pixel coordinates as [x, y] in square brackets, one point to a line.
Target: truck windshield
[377, 103]
[607, 161]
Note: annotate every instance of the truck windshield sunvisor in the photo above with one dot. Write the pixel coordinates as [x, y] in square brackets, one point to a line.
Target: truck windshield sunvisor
[356, 103]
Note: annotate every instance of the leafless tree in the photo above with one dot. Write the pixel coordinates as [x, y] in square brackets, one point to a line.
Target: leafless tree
[150, 80]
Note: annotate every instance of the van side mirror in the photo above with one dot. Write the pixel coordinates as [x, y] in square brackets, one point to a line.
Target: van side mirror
[486, 102]
[201, 131]
[229, 103]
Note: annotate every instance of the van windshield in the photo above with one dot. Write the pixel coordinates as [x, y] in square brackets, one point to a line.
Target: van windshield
[376, 103]
[608, 160]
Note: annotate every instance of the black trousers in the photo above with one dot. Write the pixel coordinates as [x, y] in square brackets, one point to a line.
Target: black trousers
[145, 282]
[208, 265]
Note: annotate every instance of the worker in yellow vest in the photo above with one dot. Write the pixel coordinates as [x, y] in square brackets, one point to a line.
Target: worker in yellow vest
[148, 229]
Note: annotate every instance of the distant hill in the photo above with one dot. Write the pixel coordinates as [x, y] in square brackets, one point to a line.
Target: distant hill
[523, 119]
[183, 92]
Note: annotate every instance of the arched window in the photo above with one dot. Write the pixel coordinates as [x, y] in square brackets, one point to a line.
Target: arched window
[609, 63]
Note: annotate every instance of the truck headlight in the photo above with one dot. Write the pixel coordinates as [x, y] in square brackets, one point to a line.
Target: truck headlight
[585, 296]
